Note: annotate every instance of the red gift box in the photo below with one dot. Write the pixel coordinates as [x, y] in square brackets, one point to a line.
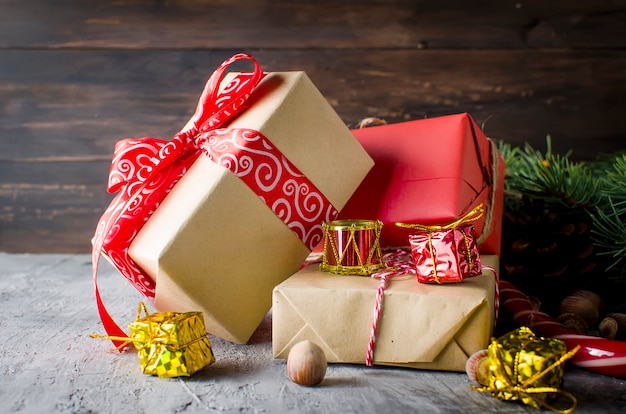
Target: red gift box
[445, 256]
[431, 171]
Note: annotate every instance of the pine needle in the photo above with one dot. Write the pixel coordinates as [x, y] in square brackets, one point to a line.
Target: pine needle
[597, 189]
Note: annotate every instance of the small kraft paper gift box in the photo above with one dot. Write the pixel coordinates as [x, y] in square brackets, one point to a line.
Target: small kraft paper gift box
[247, 202]
[423, 326]
[430, 172]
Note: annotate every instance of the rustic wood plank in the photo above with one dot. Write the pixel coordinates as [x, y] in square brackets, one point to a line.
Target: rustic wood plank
[58, 127]
[51, 206]
[77, 76]
[90, 99]
[326, 24]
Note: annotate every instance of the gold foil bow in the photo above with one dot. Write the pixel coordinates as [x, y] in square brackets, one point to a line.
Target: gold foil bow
[169, 344]
[470, 217]
[473, 215]
[527, 368]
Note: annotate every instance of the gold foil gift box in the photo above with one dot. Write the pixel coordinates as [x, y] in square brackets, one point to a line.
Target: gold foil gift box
[171, 344]
[528, 368]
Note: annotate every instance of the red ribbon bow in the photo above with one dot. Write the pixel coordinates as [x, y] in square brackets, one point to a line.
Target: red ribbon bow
[144, 170]
[141, 165]
[213, 110]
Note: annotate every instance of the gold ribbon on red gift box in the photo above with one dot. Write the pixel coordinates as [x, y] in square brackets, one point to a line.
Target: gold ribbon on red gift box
[446, 253]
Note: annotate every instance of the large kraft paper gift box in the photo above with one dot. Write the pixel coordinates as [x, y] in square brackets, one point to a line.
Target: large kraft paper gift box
[215, 244]
[424, 326]
[430, 172]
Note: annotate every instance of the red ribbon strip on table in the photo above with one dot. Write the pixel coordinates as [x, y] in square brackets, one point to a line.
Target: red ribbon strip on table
[600, 355]
[144, 170]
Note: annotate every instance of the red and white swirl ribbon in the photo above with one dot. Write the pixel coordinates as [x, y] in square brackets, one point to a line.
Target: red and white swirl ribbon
[144, 170]
[600, 355]
[276, 180]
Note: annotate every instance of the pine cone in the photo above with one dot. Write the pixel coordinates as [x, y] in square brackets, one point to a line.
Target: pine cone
[547, 252]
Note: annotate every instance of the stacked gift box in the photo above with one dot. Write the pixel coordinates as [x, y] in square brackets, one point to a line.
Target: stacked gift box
[429, 179]
[224, 225]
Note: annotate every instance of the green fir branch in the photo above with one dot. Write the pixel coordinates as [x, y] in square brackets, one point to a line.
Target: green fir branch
[597, 189]
[615, 179]
[609, 232]
[554, 179]
[609, 216]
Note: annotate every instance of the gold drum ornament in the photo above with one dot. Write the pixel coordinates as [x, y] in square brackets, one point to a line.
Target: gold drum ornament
[352, 247]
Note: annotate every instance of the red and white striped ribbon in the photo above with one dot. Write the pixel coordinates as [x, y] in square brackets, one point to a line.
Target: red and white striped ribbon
[395, 264]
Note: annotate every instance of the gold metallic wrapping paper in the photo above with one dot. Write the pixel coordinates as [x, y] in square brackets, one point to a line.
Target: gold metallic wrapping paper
[527, 368]
[171, 344]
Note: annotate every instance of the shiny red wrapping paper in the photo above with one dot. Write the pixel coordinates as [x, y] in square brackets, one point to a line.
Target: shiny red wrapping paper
[446, 256]
[430, 171]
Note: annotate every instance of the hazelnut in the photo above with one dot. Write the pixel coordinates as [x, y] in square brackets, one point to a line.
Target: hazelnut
[573, 322]
[608, 328]
[306, 363]
[583, 303]
[613, 326]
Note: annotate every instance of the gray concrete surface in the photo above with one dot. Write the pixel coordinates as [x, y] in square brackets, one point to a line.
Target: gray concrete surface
[49, 364]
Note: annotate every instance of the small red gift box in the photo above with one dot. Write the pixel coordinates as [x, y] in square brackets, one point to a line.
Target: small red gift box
[430, 171]
[445, 256]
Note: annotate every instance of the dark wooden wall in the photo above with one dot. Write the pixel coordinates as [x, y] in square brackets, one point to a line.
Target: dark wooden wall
[76, 76]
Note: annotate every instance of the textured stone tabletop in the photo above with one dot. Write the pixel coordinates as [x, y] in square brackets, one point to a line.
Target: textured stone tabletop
[49, 364]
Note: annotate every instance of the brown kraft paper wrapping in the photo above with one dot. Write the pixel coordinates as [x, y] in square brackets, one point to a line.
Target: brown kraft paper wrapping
[422, 326]
[213, 245]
